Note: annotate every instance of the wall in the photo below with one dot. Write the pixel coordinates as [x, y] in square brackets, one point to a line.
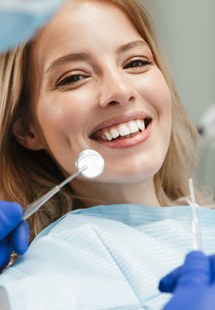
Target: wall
[186, 30]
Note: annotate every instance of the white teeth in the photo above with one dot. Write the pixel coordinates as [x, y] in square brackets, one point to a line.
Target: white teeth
[133, 126]
[108, 136]
[103, 137]
[114, 133]
[141, 124]
[124, 129]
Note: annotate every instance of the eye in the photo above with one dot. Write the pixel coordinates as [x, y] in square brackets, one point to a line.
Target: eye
[137, 63]
[71, 79]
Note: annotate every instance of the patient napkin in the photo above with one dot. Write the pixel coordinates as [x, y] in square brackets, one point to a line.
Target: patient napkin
[104, 257]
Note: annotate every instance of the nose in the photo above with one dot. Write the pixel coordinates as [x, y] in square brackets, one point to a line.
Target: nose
[116, 89]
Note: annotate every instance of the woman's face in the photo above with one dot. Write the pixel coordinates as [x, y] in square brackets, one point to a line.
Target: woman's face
[94, 84]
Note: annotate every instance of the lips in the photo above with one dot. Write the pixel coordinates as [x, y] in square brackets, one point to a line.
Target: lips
[121, 130]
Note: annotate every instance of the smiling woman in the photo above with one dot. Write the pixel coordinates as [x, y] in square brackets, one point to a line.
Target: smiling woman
[93, 78]
[122, 104]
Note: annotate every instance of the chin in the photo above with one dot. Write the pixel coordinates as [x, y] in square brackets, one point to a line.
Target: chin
[130, 174]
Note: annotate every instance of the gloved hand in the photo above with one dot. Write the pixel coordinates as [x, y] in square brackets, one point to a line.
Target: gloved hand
[192, 285]
[20, 19]
[14, 233]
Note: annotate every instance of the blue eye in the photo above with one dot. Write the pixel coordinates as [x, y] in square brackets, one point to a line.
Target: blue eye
[71, 79]
[137, 63]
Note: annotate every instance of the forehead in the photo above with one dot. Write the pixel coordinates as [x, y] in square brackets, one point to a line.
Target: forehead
[81, 22]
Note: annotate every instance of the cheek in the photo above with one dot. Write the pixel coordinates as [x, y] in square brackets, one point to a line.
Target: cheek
[63, 114]
[164, 97]
[156, 91]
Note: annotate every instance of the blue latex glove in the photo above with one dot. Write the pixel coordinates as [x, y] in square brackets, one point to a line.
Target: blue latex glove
[14, 233]
[192, 285]
[20, 19]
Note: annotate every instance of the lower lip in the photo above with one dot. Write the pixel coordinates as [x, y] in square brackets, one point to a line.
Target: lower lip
[129, 142]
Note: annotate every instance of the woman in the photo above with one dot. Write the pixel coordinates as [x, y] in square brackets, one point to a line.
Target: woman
[33, 173]
[93, 78]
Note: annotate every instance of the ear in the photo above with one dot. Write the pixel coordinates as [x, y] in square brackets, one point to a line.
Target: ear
[26, 135]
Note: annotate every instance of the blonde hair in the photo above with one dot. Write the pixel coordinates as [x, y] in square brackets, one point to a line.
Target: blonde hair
[26, 175]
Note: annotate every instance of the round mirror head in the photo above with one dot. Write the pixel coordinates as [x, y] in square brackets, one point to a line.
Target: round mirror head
[93, 162]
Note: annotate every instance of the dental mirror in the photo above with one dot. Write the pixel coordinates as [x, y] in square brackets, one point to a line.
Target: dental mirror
[89, 163]
[93, 162]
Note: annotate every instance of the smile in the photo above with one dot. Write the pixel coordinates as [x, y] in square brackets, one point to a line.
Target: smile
[123, 130]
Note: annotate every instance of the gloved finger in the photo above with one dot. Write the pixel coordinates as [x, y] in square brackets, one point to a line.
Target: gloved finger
[19, 238]
[10, 215]
[168, 283]
[21, 21]
[196, 270]
[212, 265]
[5, 252]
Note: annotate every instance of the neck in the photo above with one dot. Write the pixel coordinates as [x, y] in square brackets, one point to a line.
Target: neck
[100, 193]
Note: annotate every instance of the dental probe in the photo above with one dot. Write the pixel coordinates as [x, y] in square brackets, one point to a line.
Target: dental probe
[197, 243]
[89, 163]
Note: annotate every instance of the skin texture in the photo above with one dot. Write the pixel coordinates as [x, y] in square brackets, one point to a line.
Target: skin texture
[109, 78]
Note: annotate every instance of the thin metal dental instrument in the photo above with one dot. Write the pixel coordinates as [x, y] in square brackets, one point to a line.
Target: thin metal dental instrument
[197, 243]
[88, 163]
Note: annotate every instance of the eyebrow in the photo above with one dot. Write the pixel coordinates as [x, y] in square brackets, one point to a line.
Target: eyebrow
[66, 59]
[130, 45]
[84, 56]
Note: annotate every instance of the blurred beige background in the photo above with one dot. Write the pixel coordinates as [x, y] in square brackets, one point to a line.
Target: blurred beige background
[186, 31]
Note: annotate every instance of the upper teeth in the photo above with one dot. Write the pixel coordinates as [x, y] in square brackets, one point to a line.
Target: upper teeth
[122, 130]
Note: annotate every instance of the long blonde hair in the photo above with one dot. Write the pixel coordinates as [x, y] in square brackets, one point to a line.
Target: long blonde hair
[26, 175]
